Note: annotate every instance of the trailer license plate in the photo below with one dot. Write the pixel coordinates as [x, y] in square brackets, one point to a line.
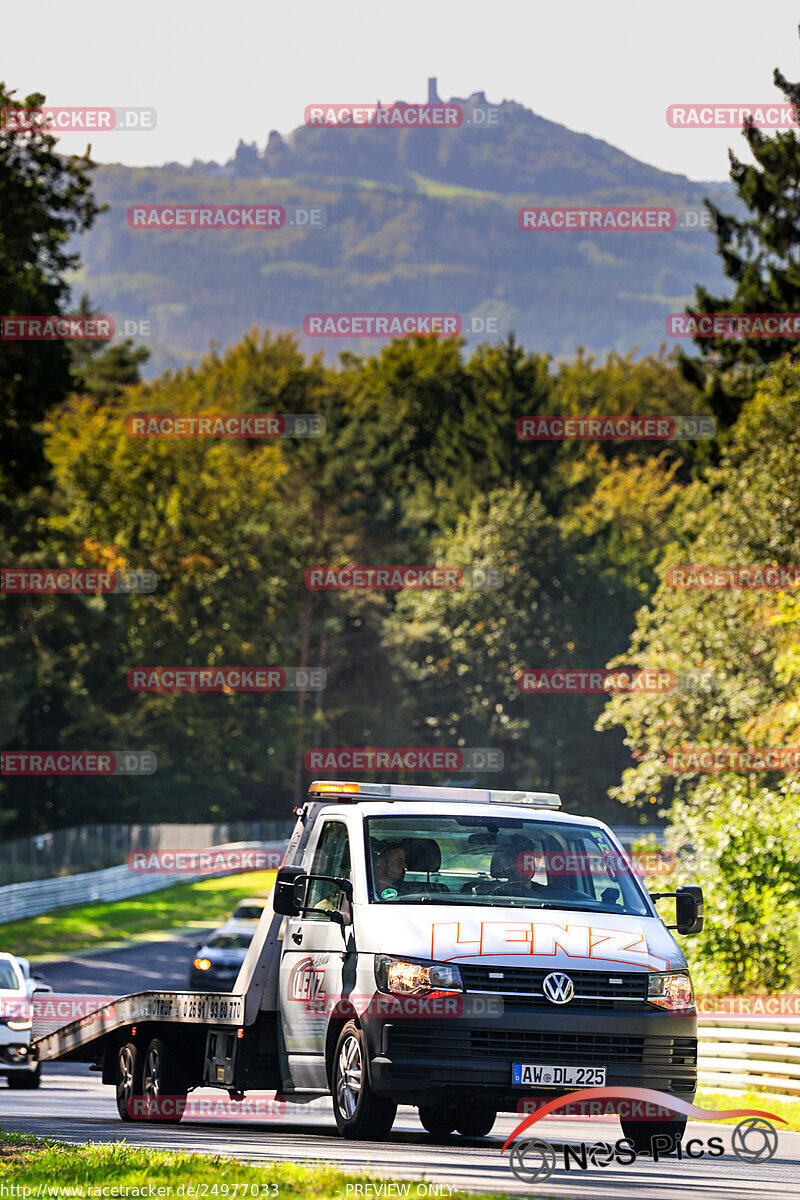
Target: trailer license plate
[529, 1074]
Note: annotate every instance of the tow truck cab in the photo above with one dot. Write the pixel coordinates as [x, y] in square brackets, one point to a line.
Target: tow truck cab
[455, 949]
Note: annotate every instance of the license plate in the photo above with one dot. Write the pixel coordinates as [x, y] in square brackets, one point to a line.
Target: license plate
[535, 1075]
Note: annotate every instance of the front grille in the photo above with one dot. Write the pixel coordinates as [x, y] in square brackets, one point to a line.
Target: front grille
[522, 987]
[526, 1045]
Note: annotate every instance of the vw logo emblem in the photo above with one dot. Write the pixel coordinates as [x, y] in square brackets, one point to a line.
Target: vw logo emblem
[558, 987]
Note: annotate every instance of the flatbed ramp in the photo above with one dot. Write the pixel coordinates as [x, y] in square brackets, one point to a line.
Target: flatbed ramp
[187, 1008]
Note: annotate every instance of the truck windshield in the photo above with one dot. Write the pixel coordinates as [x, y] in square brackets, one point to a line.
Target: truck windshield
[503, 862]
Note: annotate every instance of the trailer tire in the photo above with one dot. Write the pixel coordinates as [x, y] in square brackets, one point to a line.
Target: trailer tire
[128, 1081]
[359, 1112]
[163, 1086]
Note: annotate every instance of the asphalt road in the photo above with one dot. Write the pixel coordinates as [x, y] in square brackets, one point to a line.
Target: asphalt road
[137, 968]
[73, 1105]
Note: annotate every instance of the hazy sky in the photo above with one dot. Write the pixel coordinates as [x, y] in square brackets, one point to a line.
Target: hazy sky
[220, 70]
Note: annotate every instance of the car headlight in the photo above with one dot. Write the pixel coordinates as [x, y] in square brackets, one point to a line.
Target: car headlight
[404, 978]
[671, 991]
[16, 1025]
[202, 964]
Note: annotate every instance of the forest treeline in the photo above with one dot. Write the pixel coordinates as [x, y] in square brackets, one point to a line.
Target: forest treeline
[420, 464]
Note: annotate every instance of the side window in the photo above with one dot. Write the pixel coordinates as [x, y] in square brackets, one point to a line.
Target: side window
[332, 857]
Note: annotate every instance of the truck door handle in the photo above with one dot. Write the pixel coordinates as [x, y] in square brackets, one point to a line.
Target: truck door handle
[297, 936]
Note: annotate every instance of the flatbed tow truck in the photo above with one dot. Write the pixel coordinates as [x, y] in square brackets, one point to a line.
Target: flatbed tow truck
[450, 948]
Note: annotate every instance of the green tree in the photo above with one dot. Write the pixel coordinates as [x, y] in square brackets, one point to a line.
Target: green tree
[45, 199]
[760, 253]
[101, 369]
[734, 653]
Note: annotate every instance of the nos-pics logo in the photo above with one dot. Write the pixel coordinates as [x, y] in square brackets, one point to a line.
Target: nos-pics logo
[754, 1139]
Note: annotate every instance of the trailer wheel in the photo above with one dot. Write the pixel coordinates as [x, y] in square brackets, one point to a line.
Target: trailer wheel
[162, 1084]
[129, 1087]
[359, 1112]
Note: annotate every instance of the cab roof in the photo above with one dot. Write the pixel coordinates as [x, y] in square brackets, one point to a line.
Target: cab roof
[455, 808]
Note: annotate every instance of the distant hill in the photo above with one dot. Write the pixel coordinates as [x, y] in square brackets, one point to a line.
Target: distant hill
[417, 220]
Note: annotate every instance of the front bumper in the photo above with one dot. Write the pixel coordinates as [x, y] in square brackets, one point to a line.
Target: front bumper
[16, 1056]
[417, 1061]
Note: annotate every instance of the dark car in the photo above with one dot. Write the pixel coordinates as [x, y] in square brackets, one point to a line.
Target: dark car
[217, 960]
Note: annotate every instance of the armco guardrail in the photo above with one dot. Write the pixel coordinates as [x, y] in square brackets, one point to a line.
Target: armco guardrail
[20, 900]
[750, 1054]
[83, 848]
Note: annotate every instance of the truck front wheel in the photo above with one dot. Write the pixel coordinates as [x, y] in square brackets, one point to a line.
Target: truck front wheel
[475, 1122]
[640, 1132]
[438, 1119]
[359, 1112]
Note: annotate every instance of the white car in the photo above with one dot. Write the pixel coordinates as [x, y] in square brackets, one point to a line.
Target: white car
[17, 987]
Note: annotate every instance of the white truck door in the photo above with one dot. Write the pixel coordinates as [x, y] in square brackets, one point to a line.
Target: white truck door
[315, 969]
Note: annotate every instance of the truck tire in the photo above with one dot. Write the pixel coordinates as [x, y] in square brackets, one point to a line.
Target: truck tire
[438, 1119]
[26, 1079]
[128, 1081]
[359, 1112]
[475, 1122]
[163, 1087]
[640, 1132]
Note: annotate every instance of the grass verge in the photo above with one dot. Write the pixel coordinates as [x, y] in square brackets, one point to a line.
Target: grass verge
[65, 930]
[784, 1106]
[27, 1162]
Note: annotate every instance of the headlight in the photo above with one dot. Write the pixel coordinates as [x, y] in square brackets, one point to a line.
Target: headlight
[202, 964]
[671, 991]
[19, 1024]
[403, 978]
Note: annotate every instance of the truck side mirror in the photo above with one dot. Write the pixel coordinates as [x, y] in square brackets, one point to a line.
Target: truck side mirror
[284, 900]
[689, 915]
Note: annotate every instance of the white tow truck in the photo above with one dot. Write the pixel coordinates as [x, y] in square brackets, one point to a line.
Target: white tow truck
[455, 949]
